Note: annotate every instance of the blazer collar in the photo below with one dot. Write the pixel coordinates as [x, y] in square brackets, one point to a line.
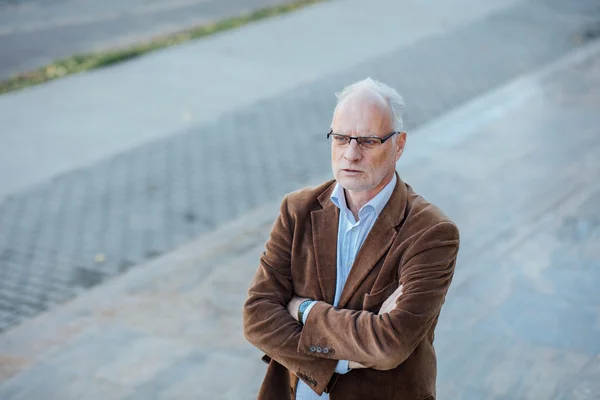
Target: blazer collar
[380, 238]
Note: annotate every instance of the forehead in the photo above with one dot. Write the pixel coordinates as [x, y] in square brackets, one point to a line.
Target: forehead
[362, 113]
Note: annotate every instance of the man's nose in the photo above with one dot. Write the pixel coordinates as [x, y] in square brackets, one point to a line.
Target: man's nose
[352, 152]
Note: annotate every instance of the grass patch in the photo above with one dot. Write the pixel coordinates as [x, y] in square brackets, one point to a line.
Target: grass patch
[89, 61]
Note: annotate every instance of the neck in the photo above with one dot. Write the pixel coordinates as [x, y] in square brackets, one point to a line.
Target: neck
[356, 200]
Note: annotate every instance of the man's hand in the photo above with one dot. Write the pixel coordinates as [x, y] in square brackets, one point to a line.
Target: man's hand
[293, 306]
[390, 303]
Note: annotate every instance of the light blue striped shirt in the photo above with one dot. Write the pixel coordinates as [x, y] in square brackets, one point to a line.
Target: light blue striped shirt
[351, 235]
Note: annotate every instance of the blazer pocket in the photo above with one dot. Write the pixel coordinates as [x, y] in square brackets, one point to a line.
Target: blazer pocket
[373, 301]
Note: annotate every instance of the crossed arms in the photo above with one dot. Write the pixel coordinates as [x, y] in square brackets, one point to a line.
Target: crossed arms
[388, 306]
[381, 341]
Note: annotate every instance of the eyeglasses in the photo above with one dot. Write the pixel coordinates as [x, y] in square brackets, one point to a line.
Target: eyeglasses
[367, 142]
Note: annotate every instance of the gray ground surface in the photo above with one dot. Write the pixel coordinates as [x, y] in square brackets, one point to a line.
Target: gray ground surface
[35, 33]
[517, 170]
[64, 236]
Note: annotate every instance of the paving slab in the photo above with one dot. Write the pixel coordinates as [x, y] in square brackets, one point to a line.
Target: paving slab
[520, 320]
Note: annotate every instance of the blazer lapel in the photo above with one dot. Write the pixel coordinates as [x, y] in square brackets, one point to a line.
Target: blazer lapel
[324, 233]
[377, 242]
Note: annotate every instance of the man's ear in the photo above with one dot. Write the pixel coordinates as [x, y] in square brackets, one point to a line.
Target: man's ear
[400, 143]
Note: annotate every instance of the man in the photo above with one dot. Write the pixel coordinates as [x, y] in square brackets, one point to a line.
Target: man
[350, 286]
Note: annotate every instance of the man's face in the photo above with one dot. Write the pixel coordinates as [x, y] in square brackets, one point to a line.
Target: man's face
[358, 168]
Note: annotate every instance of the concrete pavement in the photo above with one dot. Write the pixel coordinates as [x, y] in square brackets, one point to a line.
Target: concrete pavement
[516, 169]
[78, 121]
[36, 33]
[103, 171]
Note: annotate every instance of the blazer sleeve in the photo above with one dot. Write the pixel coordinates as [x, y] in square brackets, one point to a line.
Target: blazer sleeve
[385, 341]
[266, 321]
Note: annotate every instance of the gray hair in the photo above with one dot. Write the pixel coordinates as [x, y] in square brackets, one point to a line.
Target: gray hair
[389, 94]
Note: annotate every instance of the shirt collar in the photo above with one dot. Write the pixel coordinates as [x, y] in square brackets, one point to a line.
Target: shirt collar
[376, 203]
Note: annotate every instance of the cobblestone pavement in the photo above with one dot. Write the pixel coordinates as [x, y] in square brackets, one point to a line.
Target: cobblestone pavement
[72, 233]
[34, 33]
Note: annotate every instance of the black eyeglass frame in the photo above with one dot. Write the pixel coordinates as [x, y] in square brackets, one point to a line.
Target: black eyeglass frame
[381, 139]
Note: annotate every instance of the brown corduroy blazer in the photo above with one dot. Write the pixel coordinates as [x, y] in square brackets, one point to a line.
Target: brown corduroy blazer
[412, 243]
